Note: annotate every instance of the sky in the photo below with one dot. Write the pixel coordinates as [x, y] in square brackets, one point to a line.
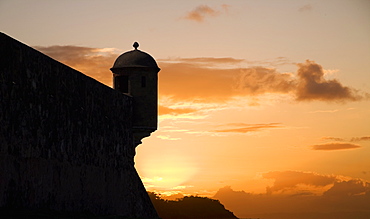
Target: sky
[263, 104]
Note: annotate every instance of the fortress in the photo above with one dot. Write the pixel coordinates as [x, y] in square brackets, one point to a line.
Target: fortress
[67, 142]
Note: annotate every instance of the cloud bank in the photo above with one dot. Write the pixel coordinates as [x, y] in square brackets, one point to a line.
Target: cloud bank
[291, 196]
[213, 80]
[201, 80]
[291, 179]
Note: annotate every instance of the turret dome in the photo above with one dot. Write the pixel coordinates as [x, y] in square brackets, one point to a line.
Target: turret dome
[135, 58]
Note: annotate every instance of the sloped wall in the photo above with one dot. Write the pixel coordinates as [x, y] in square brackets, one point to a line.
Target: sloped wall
[66, 141]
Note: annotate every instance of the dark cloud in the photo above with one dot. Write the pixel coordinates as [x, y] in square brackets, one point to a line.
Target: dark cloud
[365, 138]
[335, 146]
[290, 179]
[313, 86]
[201, 12]
[245, 128]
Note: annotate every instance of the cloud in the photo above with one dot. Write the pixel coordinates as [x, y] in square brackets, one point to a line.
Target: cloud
[162, 110]
[305, 8]
[325, 111]
[365, 138]
[211, 79]
[94, 62]
[348, 188]
[195, 80]
[353, 139]
[290, 179]
[245, 128]
[278, 61]
[205, 79]
[166, 137]
[313, 86]
[259, 80]
[201, 12]
[332, 138]
[73, 54]
[335, 146]
[188, 82]
[205, 61]
[340, 199]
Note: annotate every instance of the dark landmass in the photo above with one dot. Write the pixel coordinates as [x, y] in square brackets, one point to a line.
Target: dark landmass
[190, 207]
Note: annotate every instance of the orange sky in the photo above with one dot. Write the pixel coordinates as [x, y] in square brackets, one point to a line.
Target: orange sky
[264, 104]
[250, 135]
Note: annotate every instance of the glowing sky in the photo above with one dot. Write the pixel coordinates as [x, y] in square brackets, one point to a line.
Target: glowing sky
[256, 97]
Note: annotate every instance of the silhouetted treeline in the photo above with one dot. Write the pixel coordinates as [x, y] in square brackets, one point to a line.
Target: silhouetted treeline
[190, 207]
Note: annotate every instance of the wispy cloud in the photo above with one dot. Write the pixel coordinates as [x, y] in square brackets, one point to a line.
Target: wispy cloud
[353, 139]
[332, 138]
[305, 8]
[204, 61]
[163, 110]
[331, 111]
[166, 137]
[225, 7]
[325, 111]
[335, 146]
[245, 128]
[201, 12]
[94, 62]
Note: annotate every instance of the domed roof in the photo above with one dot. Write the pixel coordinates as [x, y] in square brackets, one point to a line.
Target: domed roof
[135, 58]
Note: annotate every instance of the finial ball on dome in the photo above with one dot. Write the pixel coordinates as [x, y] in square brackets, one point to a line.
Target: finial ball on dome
[136, 45]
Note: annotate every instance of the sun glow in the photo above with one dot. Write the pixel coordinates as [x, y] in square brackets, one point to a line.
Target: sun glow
[167, 172]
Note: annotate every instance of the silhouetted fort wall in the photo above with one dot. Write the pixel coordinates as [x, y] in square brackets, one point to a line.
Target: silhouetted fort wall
[66, 140]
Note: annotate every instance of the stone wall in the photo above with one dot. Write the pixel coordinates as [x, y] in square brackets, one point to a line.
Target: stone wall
[66, 140]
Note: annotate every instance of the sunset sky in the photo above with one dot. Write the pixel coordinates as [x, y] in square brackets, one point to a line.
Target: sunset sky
[261, 102]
